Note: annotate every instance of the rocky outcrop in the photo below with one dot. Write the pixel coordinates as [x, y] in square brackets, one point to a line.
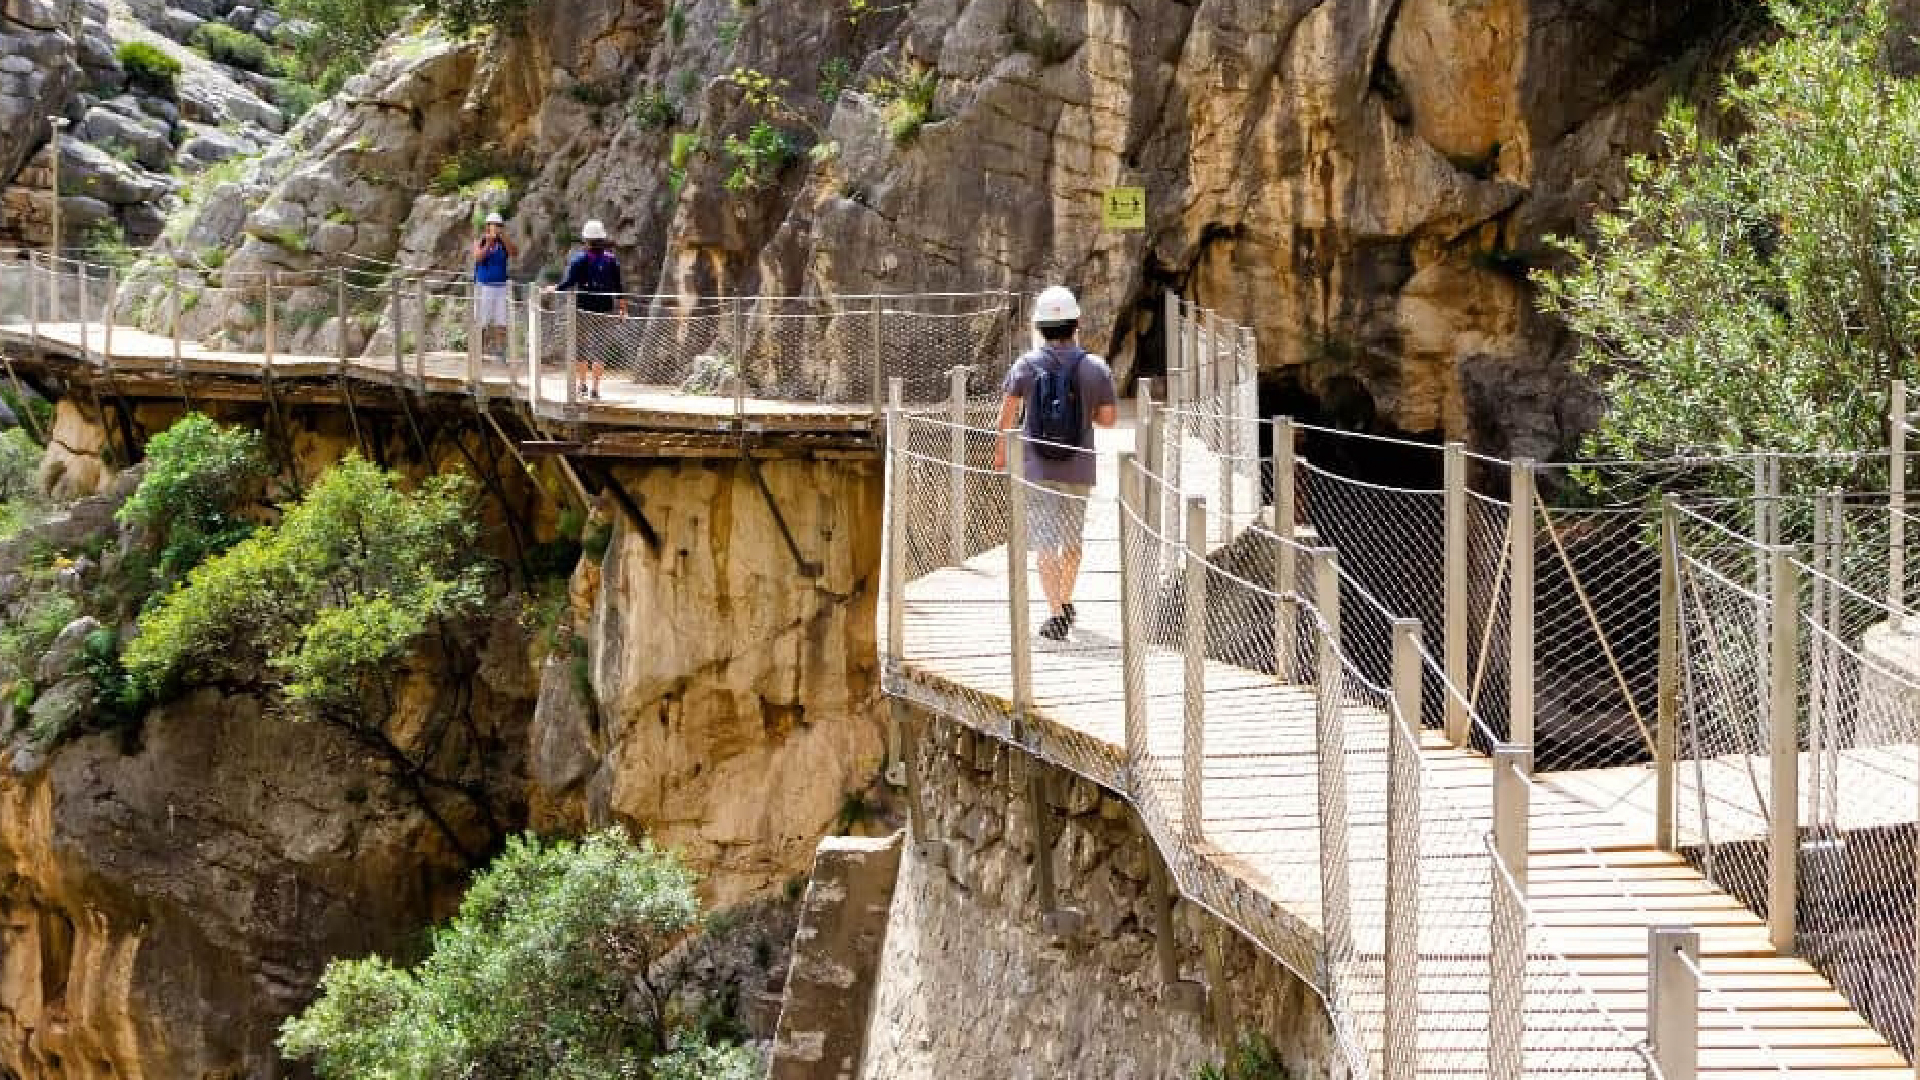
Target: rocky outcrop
[127, 134]
[735, 692]
[836, 958]
[1367, 185]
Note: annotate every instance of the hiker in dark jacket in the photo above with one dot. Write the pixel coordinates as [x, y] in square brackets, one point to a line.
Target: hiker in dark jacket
[593, 276]
[1057, 447]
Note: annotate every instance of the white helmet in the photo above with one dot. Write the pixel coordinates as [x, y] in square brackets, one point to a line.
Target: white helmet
[593, 230]
[1055, 305]
[495, 218]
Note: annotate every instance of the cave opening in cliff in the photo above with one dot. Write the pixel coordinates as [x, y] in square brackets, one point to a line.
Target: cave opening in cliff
[1344, 404]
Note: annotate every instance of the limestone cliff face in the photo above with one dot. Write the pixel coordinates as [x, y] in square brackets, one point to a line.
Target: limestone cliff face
[736, 693]
[1365, 183]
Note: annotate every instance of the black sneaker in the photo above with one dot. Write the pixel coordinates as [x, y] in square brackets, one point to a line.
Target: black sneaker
[594, 393]
[1067, 613]
[1055, 628]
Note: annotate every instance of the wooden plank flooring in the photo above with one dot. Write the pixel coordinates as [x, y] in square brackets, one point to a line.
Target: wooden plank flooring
[623, 401]
[1595, 883]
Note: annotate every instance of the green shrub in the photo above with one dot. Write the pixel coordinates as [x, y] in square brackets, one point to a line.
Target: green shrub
[468, 170]
[652, 108]
[19, 465]
[462, 17]
[835, 76]
[25, 639]
[906, 99]
[323, 602]
[200, 475]
[148, 66]
[1252, 1058]
[231, 47]
[549, 969]
[759, 157]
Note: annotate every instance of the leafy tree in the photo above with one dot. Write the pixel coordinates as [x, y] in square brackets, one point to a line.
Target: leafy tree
[551, 968]
[463, 17]
[200, 475]
[19, 465]
[323, 606]
[1760, 289]
[340, 36]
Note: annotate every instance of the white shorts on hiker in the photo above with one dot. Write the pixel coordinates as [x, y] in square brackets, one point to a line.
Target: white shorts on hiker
[490, 305]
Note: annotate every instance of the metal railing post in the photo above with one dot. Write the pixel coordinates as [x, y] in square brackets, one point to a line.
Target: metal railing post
[1666, 736]
[878, 356]
[1132, 658]
[1153, 507]
[273, 326]
[1520, 605]
[80, 280]
[573, 371]
[1403, 856]
[420, 335]
[1673, 1000]
[1330, 753]
[340, 318]
[33, 302]
[1507, 974]
[957, 465]
[1286, 560]
[1783, 752]
[1175, 336]
[535, 344]
[896, 522]
[1022, 640]
[175, 319]
[1193, 728]
[474, 334]
[106, 323]
[1897, 504]
[739, 358]
[1455, 616]
[399, 330]
[1195, 349]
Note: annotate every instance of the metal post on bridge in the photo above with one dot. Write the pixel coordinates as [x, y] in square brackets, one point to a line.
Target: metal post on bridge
[80, 280]
[340, 318]
[1132, 658]
[1286, 566]
[957, 465]
[273, 325]
[1021, 640]
[473, 341]
[534, 346]
[1193, 728]
[420, 334]
[58, 124]
[1783, 751]
[1507, 955]
[1152, 492]
[571, 367]
[896, 521]
[1666, 736]
[33, 304]
[1520, 533]
[1455, 631]
[1897, 507]
[106, 324]
[1197, 359]
[1175, 338]
[1330, 754]
[879, 355]
[1673, 1001]
[174, 298]
[399, 347]
[1402, 952]
[740, 358]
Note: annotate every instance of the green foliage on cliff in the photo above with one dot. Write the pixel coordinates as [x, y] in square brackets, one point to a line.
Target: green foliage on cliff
[19, 465]
[148, 66]
[551, 968]
[200, 476]
[1758, 289]
[463, 17]
[344, 34]
[1252, 1058]
[321, 604]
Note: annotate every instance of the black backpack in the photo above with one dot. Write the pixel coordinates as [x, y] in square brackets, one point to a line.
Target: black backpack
[1054, 419]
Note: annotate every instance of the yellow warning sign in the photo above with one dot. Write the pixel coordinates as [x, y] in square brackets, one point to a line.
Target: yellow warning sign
[1124, 208]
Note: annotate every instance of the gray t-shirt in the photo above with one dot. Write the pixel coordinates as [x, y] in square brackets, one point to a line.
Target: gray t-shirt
[1096, 389]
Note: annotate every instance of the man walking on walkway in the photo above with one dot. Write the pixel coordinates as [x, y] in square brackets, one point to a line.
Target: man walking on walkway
[1065, 393]
[490, 255]
[593, 276]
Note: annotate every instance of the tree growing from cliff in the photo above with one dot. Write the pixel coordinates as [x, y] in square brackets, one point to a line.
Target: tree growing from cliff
[323, 609]
[1759, 289]
[551, 968]
[200, 477]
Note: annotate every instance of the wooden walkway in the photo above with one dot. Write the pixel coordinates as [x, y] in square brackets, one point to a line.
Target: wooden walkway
[1596, 883]
[142, 364]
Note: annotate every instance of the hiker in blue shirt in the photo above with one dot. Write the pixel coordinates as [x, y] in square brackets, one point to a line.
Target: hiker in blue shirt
[593, 276]
[1065, 392]
[490, 298]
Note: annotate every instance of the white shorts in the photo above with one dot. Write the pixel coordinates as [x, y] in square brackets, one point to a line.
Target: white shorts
[490, 305]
